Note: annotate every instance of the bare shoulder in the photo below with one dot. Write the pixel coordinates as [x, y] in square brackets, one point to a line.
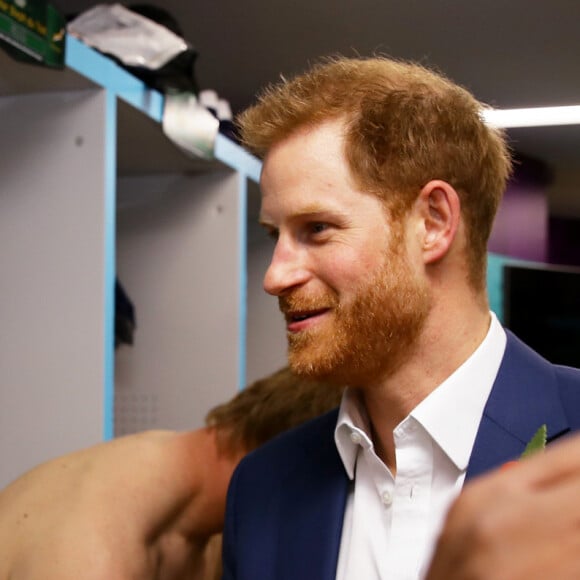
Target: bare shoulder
[97, 503]
[142, 456]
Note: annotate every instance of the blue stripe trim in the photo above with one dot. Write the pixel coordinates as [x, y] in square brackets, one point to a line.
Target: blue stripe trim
[110, 205]
[236, 157]
[243, 278]
[119, 83]
[495, 280]
[106, 73]
[495, 264]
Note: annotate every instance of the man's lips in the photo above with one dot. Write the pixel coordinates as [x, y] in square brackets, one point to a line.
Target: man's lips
[300, 320]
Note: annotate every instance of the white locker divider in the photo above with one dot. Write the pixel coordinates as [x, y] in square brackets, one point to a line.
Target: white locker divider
[92, 190]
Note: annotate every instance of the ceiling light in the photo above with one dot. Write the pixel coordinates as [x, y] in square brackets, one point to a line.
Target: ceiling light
[532, 117]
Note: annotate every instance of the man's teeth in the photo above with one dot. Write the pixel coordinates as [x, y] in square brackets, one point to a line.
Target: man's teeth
[310, 314]
[300, 317]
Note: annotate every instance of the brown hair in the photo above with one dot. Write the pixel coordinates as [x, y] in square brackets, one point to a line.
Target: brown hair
[404, 126]
[268, 407]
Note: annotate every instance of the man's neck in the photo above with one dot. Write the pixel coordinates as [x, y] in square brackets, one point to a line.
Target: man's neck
[437, 354]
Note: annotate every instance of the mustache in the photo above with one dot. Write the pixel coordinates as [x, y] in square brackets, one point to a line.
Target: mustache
[298, 302]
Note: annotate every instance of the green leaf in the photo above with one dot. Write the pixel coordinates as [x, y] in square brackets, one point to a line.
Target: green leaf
[537, 442]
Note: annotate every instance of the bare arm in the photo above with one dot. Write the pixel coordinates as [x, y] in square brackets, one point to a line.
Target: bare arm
[516, 524]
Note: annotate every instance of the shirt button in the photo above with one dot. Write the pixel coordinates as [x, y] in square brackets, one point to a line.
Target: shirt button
[387, 498]
[356, 438]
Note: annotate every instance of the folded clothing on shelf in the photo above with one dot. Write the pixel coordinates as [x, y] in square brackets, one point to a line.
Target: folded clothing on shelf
[144, 39]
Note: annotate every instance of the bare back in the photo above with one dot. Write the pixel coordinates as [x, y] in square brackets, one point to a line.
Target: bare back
[122, 510]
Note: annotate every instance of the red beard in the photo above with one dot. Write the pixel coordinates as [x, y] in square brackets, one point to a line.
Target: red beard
[369, 337]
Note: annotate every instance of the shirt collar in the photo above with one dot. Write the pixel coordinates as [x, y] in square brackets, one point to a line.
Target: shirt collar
[450, 414]
[352, 429]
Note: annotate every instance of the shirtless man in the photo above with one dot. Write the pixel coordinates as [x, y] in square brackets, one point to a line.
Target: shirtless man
[145, 506]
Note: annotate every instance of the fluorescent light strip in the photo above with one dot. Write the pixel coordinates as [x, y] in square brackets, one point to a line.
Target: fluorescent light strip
[533, 117]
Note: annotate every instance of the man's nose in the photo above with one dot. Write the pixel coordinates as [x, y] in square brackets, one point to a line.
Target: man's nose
[286, 270]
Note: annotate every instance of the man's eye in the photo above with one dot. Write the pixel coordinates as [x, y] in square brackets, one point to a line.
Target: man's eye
[273, 233]
[318, 227]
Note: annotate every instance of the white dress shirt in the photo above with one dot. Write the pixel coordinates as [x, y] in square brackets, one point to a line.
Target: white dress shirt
[391, 523]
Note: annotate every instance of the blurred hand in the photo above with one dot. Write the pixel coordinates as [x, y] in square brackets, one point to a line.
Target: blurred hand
[521, 523]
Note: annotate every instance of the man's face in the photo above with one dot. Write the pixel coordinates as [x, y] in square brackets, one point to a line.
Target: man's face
[354, 303]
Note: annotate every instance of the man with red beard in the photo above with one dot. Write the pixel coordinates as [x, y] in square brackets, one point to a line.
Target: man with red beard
[380, 184]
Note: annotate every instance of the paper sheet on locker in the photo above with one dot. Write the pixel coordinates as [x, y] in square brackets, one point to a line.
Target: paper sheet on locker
[190, 125]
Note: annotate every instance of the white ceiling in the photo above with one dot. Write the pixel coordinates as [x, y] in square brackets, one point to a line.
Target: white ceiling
[510, 53]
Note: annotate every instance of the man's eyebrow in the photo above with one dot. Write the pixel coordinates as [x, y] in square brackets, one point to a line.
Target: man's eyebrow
[312, 209]
[264, 223]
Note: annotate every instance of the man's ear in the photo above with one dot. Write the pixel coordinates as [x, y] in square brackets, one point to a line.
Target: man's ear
[440, 210]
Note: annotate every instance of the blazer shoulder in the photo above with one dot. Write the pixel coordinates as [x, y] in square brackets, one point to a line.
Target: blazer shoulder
[304, 446]
[569, 387]
[567, 378]
[528, 392]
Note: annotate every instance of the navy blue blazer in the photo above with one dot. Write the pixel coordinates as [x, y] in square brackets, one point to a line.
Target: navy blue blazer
[286, 500]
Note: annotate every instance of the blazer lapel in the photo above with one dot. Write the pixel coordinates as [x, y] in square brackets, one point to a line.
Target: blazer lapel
[524, 397]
